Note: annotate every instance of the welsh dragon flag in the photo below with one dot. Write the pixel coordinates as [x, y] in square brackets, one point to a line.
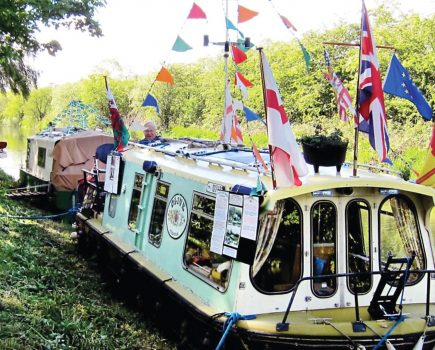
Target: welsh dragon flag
[287, 161]
[120, 131]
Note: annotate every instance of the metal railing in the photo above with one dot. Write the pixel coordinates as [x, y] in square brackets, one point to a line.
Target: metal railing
[284, 324]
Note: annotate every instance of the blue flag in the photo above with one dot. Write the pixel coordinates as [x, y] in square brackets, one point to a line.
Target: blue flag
[399, 83]
[251, 116]
[150, 100]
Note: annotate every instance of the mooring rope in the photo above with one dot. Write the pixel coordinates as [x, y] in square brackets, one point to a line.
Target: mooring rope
[387, 334]
[233, 317]
[42, 217]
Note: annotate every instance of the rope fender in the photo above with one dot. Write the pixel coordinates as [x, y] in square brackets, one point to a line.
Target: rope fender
[232, 318]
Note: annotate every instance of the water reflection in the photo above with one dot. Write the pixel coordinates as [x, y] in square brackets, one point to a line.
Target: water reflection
[16, 149]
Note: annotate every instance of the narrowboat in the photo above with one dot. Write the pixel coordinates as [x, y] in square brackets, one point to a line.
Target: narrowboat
[55, 156]
[195, 233]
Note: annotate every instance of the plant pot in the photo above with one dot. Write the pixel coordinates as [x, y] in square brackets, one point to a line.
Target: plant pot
[324, 155]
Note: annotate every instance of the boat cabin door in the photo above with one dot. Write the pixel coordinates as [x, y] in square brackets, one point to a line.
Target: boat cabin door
[339, 243]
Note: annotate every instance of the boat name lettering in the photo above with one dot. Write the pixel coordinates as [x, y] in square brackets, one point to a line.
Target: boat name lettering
[176, 216]
[213, 188]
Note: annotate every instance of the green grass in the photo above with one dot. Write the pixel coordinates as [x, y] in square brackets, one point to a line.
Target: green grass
[51, 298]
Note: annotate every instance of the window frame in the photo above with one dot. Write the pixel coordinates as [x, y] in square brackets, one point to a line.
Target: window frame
[158, 197]
[414, 211]
[370, 243]
[186, 266]
[313, 289]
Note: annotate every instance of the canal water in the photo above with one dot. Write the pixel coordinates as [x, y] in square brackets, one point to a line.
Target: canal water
[16, 149]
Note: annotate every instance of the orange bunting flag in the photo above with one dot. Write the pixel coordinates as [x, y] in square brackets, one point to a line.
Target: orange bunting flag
[288, 24]
[259, 158]
[246, 14]
[238, 55]
[196, 12]
[165, 76]
[242, 79]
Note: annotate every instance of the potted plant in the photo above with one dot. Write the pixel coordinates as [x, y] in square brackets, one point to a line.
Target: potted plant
[325, 150]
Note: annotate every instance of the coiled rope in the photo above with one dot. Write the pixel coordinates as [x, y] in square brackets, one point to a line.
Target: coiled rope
[233, 317]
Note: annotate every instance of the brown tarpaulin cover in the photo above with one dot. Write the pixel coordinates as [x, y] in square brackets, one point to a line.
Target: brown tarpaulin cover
[72, 154]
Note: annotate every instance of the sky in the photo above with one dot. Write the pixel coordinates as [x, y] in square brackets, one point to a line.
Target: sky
[139, 34]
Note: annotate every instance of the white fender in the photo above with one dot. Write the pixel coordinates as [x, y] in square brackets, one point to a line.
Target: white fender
[389, 345]
[420, 343]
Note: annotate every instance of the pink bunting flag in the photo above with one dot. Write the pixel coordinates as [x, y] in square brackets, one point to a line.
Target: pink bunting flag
[288, 24]
[196, 13]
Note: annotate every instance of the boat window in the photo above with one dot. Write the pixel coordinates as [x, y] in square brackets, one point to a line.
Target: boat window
[212, 268]
[41, 156]
[358, 245]
[158, 214]
[112, 205]
[135, 200]
[399, 233]
[324, 232]
[277, 265]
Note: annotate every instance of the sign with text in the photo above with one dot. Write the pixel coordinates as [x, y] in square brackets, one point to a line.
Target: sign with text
[235, 226]
[113, 165]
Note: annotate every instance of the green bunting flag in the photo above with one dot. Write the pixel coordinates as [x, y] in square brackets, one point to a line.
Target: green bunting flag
[180, 45]
[307, 56]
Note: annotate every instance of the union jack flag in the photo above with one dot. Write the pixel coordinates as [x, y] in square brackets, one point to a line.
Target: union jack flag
[370, 94]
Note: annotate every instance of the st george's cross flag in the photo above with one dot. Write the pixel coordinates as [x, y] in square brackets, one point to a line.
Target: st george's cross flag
[120, 131]
[287, 162]
[370, 94]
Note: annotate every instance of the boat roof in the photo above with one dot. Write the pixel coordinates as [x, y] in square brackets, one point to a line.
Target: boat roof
[242, 158]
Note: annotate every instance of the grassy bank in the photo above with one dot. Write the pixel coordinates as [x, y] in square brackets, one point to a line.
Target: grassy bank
[51, 298]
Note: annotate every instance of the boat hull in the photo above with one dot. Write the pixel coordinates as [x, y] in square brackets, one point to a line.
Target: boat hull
[195, 325]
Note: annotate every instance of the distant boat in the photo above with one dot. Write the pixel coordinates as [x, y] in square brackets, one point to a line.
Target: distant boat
[56, 156]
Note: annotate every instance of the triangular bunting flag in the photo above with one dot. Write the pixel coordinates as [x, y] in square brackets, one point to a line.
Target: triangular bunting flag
[245, 81]
[196, 13]
[246, 14]
[251, 116]
[180, 45]
[150, 100]
[230, 25]
[307, 56]
[241, 45]
[165, 76]
[258, 157]
[238, 55]
[287, 23]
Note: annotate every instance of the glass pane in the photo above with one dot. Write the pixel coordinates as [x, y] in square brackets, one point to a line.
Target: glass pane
[112, 205]
[399, 233]
[282, 267]
[358, 245]
[41, 156]
[135, 200]
[324, 230]
[211, 267]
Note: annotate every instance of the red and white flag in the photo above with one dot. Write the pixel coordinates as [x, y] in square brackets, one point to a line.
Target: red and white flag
[344, 101]
[287, 162]
[230, 130]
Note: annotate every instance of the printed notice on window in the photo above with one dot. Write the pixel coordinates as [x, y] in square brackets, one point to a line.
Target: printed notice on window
[219, 222]
[250, 217]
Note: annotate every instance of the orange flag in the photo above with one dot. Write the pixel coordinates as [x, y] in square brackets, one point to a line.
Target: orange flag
[246, 14]
[165, 76]
[258, 157]
[427, 173]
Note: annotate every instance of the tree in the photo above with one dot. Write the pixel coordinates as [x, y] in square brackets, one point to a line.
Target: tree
[19, 22]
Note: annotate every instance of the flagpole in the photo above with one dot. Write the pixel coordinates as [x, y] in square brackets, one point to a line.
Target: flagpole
[356, 138]
[272, 172]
